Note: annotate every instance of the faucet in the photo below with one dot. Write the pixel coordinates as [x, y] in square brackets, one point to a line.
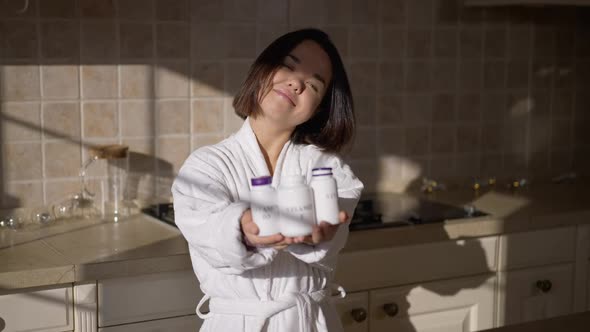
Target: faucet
[430, 185]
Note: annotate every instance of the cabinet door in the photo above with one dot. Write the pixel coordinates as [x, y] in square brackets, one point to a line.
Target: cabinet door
[465, 304]
[37, 309]
[147, 297]
[532, 294]
[353, 311]
[178, 324]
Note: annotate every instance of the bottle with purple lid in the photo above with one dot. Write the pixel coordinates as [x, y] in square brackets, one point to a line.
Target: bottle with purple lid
[325, 195]
[263, 203]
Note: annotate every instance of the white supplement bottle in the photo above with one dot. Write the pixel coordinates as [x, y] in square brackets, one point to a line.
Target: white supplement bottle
[325, 195]
[263, 203]
[295, 202]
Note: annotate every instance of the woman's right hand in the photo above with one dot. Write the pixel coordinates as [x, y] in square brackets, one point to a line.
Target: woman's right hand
[251, 238]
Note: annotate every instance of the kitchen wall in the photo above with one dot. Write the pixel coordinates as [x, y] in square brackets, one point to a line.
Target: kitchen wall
[441, 91]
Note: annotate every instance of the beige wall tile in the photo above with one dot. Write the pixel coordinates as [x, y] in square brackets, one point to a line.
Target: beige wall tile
[208, 41]
[61, 120]
[207, 79]
[364, 146]
[60, 39]
[21, 121]
[363, 41]
[22, 161]
[172, 10]
[172, 79]
[231, 121]
[417, 140]
[240, 41]
[205, 140]
[62, 159]
[235, 75]
[173, 150]
[97, 8]
[137, 81]
[138, 118]
[299, 13]
[173, 117]
[11, 9]
[267, 33]
[60, 82]
[141, 156]
[22, 194]
[468, 138]
[418, 109]
[390, 78]
[59, 190]
[136, 40]
[390, 109]
[365, 109]
[362, 77]
[58, 9]
[100, 119]
[391, 141]
[274, 11]
[443, 108]
[20, 82]
[99, 81]
[340, 36]
[99, 41]
[172, 40]
[443, 139]
[136, 9]
[20, 39]
[393, 42]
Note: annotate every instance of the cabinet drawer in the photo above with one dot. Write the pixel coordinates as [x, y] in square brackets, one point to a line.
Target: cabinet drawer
[462, 304]
[410, 264]
[147, 297]
[190, 323]
[38, 309]
[537, 248]
[353, 311]
[535, 293]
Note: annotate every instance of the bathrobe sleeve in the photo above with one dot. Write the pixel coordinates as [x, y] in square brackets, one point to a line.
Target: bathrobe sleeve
[209, 218]
[324, 255]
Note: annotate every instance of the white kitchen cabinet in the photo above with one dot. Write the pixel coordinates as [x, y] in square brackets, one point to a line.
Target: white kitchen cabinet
[178, 324]
[353, 311]
[464, 304]
[147, 297]
[42, 309]
[535, 293]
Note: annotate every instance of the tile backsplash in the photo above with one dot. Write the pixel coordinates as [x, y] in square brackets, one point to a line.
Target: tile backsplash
[441, 90]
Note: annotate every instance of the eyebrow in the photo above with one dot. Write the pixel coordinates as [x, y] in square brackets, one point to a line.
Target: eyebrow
[316, 75]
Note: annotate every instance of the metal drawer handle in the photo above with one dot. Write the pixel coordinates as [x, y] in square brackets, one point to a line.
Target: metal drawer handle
[544, 285]
[358, 314]
[391, 309]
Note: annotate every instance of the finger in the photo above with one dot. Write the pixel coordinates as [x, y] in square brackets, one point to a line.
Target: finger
[250, 227]
[343, 216]
[317, 234]
[267, 240]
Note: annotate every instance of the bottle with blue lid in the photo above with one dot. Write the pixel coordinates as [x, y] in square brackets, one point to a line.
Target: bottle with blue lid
[263, 203]
[325, 195]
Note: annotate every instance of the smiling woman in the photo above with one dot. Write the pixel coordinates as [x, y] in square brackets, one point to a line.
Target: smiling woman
[297, 107]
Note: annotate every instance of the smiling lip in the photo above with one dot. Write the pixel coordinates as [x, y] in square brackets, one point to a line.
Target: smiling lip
[285, 95]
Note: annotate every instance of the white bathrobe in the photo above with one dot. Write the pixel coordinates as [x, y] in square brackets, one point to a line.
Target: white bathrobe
[261, 289]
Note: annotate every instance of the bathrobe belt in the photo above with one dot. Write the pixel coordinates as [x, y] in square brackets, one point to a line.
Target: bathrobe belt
[263, 310]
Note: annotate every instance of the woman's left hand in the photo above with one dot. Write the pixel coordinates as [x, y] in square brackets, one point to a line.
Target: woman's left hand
[322, 232]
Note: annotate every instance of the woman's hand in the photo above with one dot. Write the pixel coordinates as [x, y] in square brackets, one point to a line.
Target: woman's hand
[251, 238]
[322, 232]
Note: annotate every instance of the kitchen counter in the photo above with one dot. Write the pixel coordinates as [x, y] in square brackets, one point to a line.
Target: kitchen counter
[83, 250]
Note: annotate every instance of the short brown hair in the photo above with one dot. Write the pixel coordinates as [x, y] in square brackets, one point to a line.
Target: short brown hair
[333, 126]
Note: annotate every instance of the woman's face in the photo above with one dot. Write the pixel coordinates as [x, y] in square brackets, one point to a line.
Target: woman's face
[298, 87]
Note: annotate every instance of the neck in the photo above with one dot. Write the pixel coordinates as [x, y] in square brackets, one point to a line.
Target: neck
[271, 140]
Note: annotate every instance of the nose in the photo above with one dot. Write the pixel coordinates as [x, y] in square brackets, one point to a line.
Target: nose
[296, 85]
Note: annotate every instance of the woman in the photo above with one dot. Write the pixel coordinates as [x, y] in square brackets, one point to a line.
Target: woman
[297, 106]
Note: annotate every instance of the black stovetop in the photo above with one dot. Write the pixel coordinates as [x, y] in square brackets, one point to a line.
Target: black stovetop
[375, 211]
